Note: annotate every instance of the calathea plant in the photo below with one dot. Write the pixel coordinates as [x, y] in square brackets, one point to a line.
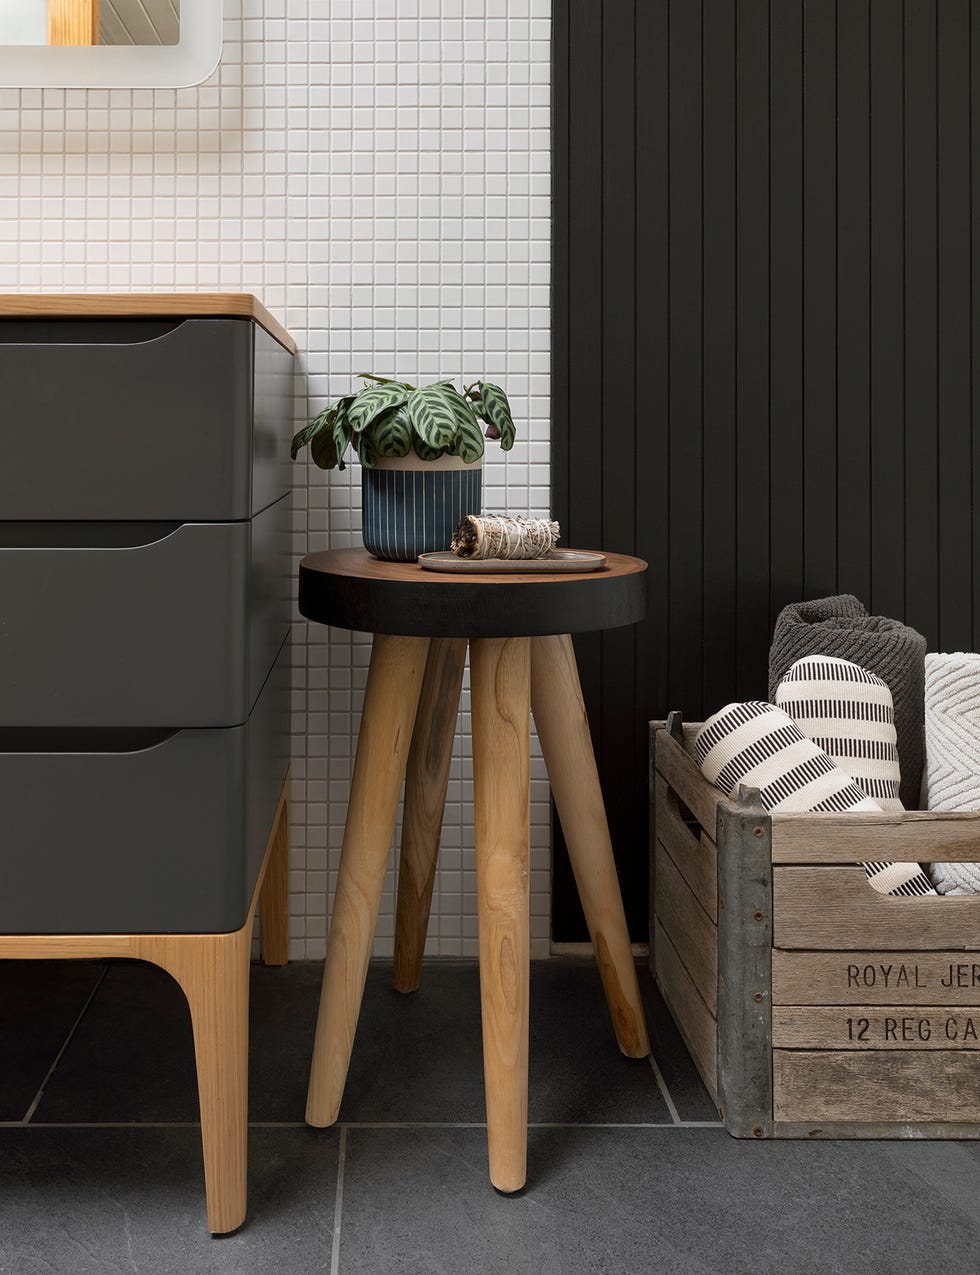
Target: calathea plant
[388, 419]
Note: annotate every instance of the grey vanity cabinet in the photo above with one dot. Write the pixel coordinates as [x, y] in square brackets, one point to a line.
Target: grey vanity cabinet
[145, 601]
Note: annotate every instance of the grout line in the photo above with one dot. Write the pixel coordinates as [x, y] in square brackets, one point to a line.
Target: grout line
[28, 1114]
[665, 1092]
[365, 1124]
[338, 1208]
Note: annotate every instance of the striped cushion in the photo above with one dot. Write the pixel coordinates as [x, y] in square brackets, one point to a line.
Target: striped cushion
[848, 712]
[759, 745]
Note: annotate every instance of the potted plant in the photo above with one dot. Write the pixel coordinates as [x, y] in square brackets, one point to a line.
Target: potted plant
[421, 453]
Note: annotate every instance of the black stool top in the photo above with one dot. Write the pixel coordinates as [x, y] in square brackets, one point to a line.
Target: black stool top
[351, 590]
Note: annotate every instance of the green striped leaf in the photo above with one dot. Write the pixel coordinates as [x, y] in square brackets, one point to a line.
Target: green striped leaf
[308, 432]
[391, 432]
[365, 451]
[342, 431]
[433, 417]
[371, 402]
[469, 438]
[424, 452]
[496, 411]
[323, 450]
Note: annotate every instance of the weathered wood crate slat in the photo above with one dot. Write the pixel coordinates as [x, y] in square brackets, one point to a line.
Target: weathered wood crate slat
[812, 1005]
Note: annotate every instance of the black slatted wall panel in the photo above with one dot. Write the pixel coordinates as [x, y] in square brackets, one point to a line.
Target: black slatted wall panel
[764, 296]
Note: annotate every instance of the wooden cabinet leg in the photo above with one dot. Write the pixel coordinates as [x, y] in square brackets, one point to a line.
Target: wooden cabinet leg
[390, 701]
[426, 780]
[563, 729]
[212, 970]
[500, 674]
[274, 892]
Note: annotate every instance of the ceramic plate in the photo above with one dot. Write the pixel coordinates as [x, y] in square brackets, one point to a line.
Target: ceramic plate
[557, 560]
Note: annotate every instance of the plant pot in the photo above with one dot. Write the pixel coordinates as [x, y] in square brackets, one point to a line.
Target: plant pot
[410, 506]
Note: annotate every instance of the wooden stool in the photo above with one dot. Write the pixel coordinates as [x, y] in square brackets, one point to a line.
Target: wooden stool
[212, 971]
[518, 628]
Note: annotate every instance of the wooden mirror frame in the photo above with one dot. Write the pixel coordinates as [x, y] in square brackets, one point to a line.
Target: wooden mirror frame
[180, 65]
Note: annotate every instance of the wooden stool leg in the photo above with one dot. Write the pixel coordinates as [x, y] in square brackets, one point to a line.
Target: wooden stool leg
[390, 701]
[563, 728]
[426, 780]
[274, 892]
[500, 670]
[212, 970]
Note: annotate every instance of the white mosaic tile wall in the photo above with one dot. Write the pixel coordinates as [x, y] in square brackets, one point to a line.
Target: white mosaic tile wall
[378, 172]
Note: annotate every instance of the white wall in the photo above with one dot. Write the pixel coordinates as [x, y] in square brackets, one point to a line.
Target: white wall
[378, 173]
[24, 22]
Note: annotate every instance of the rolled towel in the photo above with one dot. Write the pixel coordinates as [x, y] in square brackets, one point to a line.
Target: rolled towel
[953, 753]
[847, 711]
[761, 746]
[839, 626]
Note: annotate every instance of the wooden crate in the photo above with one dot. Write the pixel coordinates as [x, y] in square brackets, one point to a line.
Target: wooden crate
[812, 1005]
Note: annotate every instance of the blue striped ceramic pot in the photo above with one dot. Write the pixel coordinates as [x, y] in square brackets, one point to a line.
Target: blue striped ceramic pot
[411, 506]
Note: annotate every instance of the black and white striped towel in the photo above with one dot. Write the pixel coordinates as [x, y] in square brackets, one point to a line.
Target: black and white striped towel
[759, 745]
[847, 711]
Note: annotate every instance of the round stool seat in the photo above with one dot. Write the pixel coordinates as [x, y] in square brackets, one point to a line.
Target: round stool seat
[351, 590]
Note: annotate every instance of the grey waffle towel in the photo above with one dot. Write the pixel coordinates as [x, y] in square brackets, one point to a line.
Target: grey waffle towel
[841, 627]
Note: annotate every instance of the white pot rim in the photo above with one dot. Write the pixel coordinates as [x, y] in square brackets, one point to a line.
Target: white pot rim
[412, 461]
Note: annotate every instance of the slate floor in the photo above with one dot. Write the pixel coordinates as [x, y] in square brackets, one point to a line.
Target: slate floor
[629, 1170]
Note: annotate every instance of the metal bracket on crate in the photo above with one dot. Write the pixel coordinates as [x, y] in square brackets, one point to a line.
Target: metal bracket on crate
[675, 726]
[745, 965]
[749, 798]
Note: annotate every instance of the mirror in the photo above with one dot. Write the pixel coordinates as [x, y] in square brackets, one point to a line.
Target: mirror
[89, 22]
[108, 43]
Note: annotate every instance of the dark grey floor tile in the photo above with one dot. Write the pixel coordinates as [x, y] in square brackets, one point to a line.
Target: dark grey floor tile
[39, 1003]
[418, 1057]
[132, 1057]
[689, 1095]
[577, 1072]
[677, 1201]
[93, 1201]
[282, 1026]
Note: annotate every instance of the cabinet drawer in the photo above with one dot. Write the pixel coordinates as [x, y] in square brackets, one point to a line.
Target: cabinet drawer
[178, 420]
[127, 832]
[140, 625]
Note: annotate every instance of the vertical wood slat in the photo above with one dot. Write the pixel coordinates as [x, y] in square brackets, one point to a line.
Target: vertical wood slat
[819, 299]
[752, 342]
[73, 21]
[954, 495]
[887, 274]
[975, 288]
[684, 458]
[718, 338]
[921, 380]
[853, 299]
[621, 749]
[578, 103]
[786, 304]
[651, 482]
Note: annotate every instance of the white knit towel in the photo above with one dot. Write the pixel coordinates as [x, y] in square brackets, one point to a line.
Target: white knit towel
[953, 753]
[759, 745]
[847, 711]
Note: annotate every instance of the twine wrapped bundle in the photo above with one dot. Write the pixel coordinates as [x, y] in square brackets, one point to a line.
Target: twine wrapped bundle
[495, 536]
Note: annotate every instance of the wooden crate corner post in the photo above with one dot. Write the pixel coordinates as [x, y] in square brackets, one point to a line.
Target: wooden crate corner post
[745, 966]
[674, 726]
